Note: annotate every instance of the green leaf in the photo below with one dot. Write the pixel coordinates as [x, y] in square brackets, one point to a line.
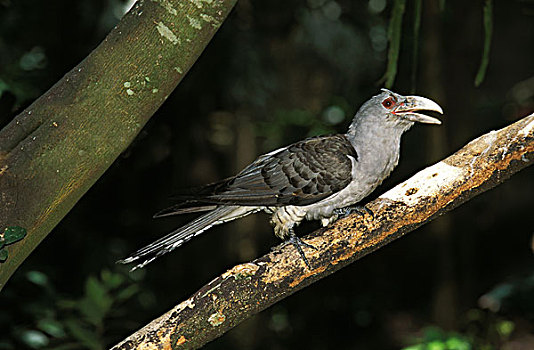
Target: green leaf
[37, 277]
[82, 335]
[3, 254]
[94, 290]
[505, 328]
[111, 280]
[33, 59]
[418, 7]
[433, 333]
[13, 234]
[51, 327]
[488, 32]
[457, 343]
[436, 345]
[394, 38]
[96, 302]
[34, 339]
[127, 292]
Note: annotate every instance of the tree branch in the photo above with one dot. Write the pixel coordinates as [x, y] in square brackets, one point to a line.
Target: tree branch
[249, 288]
[54, 151]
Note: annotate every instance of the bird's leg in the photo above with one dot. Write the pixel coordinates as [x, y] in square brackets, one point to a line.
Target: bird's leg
[298, 243]
[359, 209]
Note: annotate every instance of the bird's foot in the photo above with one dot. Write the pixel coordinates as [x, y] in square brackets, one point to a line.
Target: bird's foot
[298, 243]
[359, 209]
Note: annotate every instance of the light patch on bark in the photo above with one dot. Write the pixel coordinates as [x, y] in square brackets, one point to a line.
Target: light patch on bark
[187, 303]
[527, 129]
[216, 319]
[209, 19]
[241, 271]
[426, 183]
[199, 3]
[193, 22]
[167, 6]
[490, 139]
[165, 32]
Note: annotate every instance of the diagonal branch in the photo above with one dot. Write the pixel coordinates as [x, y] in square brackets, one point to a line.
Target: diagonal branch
[56, 149]
[249, 288]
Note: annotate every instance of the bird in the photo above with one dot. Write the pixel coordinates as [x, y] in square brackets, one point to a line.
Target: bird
[318, 178]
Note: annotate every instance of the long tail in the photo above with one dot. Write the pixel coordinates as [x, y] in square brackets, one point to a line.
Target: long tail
[183, 234]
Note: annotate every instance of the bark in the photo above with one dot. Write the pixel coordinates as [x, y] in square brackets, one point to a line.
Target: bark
[53, 151]
[248, 288]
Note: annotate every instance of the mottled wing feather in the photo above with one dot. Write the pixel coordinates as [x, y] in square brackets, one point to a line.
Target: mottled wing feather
[300, 174]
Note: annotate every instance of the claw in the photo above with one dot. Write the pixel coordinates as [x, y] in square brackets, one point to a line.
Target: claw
[359, 209]
[298, 243]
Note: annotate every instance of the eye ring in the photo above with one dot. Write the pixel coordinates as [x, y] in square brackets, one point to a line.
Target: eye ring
[388, 102]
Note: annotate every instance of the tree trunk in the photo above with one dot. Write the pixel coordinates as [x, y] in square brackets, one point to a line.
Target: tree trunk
[53, 151]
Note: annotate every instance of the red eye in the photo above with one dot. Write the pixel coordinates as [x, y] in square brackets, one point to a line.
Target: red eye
[388, 102]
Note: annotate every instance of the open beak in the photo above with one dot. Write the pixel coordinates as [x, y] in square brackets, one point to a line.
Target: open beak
[413, 104]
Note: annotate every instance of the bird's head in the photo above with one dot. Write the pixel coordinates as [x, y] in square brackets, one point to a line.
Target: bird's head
[389, 109]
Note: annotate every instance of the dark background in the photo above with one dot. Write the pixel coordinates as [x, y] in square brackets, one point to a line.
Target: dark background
[276, 72]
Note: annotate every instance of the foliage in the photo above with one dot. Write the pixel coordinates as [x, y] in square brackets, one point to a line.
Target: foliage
[10, 235]
[487, 331]
[480, 330]
[90, 321]
[17, 78]
[488, 32]
[436, 339]
[487, 327]
[395, 35]
[394, 38]
[513, 295]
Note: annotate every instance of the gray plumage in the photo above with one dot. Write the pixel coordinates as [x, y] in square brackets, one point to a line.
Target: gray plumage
[310, 179]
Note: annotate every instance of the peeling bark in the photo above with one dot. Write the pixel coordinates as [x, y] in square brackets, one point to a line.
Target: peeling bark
[56, 149]
[249, 288]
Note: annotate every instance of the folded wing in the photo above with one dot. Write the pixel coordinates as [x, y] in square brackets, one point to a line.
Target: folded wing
[300, 174]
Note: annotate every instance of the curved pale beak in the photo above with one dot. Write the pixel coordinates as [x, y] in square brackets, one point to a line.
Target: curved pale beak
[413, 104]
